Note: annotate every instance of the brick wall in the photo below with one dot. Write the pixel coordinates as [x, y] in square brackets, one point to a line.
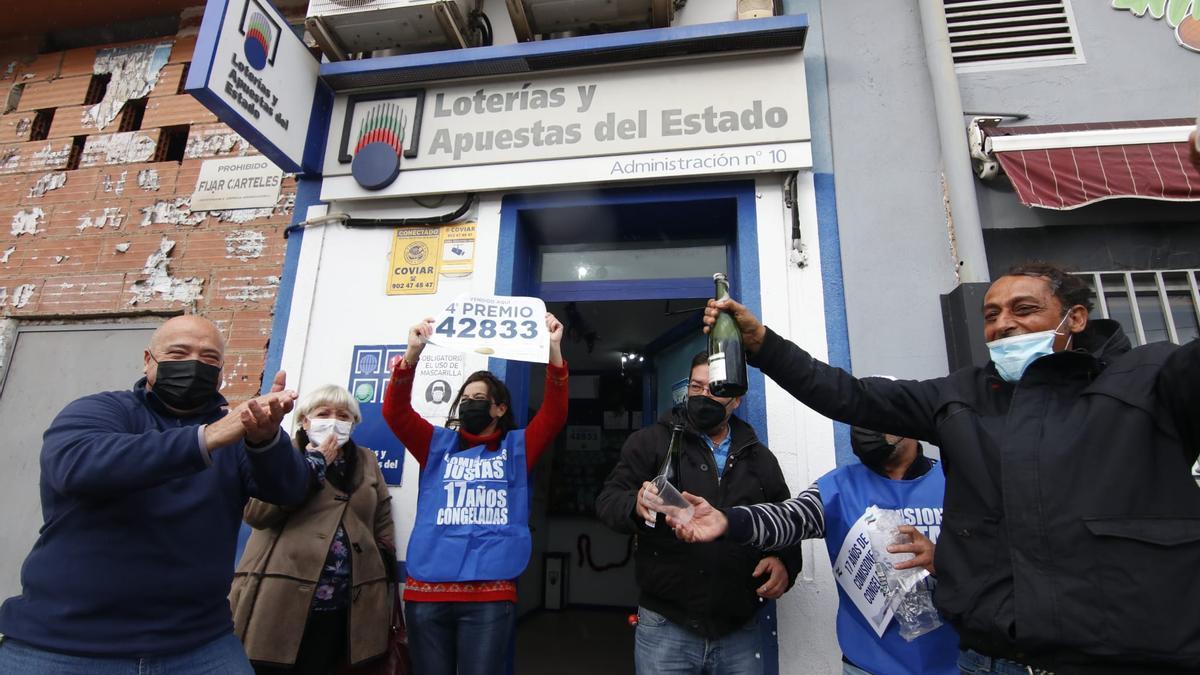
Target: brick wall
[94, 222]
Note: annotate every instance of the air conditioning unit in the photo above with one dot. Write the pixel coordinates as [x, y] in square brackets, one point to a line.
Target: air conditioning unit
[346, 27]
[533, 18]
[757, 9]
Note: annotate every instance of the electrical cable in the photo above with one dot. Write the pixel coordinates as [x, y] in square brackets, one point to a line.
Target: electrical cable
[481, 23]
[401, 222]
[429, 206]
[583, 546]
[350, 221]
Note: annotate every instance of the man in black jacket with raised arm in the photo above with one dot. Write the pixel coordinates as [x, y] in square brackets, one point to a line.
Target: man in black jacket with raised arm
[1071, 534]
[699, 605]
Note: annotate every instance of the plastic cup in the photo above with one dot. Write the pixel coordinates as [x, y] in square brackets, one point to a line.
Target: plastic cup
[666, 500]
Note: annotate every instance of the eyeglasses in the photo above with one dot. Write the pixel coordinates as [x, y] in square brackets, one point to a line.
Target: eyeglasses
[697, 389]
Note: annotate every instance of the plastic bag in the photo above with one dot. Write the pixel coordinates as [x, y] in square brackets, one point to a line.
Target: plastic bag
[909, 591]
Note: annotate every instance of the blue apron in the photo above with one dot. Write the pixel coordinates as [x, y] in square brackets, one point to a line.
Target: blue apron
[472, 519]
[846, 493]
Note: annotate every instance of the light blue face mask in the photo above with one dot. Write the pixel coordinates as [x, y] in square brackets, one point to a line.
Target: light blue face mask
[1012, 355]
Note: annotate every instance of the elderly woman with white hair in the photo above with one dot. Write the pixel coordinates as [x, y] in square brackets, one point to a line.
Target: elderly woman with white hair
[311, 593]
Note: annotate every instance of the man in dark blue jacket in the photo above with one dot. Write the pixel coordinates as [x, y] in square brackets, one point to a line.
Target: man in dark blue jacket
[142, 494]
[1071, 532]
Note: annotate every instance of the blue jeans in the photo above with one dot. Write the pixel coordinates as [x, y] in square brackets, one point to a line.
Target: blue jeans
[663, 647]
[223, 656]
[971, 662]
[467, 638]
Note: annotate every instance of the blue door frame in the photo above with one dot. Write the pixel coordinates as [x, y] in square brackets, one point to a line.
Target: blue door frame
[516, 267]
[516, 274]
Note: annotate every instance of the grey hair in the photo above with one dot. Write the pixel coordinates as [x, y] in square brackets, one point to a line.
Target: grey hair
[331, 395]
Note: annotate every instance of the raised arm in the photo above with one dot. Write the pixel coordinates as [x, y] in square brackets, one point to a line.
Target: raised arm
[775, 489]
[1178, 387]
[552, 416]
[765, 526]
[904, 407]
[90, 450]
[275, 471]
[414, 431]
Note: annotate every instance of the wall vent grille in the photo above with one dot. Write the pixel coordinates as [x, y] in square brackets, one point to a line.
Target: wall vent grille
[984, 32]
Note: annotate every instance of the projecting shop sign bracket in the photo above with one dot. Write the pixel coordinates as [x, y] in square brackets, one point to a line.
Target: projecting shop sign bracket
[257, 76]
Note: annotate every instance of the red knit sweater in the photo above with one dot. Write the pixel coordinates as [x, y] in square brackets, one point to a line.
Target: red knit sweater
[416, 434]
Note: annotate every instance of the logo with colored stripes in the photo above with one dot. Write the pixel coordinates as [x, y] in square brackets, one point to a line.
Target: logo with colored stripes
[258, 40]
[380, 145]
[384, 123]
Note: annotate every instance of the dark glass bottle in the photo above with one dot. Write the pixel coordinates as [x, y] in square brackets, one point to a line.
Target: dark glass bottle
[726, 358]
[670, 465]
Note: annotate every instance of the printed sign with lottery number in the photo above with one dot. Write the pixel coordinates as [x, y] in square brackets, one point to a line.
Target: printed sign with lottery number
[506, 327]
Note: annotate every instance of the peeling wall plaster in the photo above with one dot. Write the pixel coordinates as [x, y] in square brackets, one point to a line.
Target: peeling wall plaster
[134, 72]
[283, 207]
[127, 147]
[113, 184]
[47, 183]
[7, 254]
[171, 212]
[243, 289]
[110, 216]
[207, 145]
[242, 216]
[148, 179]
[26, 221]
[245, 244]
[48, 157]
[159, 281]
[10, 159]
[236, 373]
[22, 294]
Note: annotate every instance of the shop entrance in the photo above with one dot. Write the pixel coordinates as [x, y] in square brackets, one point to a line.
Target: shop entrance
[579, 589]
[628, 273]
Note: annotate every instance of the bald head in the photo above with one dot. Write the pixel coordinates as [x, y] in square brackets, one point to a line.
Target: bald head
[184, 338]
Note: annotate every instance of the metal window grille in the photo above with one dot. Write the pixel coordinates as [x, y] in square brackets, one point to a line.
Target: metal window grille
[1007, 33]
[1151, 305]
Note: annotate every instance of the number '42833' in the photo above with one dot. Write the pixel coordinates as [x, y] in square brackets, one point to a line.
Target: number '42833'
[506, 329]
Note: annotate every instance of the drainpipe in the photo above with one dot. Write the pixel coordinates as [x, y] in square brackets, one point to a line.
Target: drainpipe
[966, 230]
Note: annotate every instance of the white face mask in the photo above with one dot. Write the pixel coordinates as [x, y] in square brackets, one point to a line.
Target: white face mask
[320, 429]
[1012, 355]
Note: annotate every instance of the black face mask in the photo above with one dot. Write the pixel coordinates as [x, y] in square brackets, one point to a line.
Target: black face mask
[186, 385]
[474, 416]
[705, 413]
[871, 448]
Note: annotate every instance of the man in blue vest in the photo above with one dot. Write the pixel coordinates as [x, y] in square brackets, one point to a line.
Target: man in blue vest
[894, 473]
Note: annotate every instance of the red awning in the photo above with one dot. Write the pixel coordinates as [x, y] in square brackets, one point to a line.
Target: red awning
[1065, 166]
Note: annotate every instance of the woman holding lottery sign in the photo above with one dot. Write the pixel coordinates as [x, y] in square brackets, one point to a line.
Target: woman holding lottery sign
[471, 538]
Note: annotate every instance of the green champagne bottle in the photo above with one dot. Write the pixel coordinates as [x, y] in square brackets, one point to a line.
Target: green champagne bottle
[670, 465]
[726, 358]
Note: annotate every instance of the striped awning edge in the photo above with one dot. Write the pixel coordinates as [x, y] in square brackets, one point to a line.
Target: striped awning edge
[1065, 166]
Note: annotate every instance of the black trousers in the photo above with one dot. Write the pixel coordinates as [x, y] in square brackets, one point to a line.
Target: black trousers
[323, 649]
